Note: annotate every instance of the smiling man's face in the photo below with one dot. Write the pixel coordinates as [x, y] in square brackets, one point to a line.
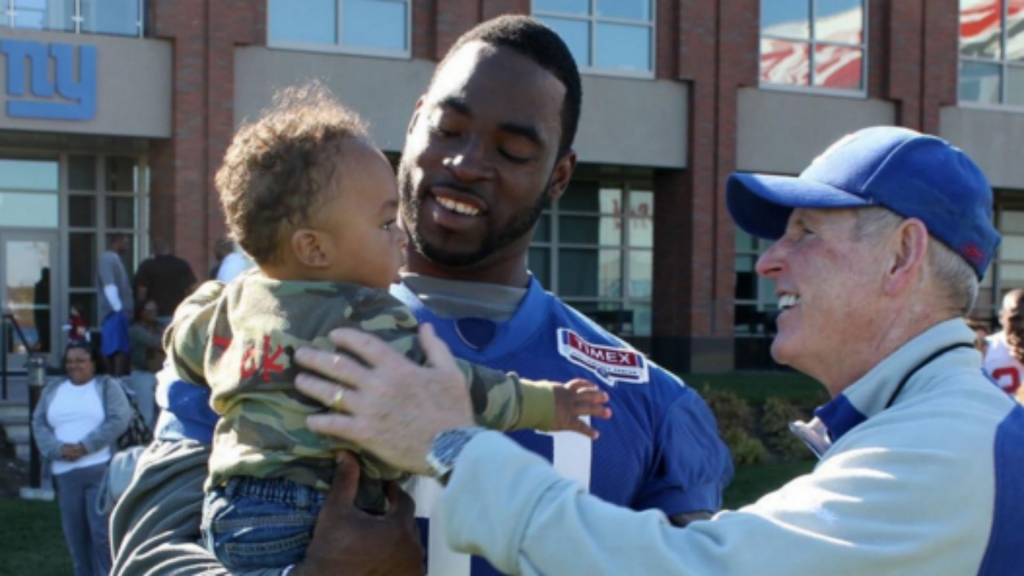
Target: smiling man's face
[477, 165]
[827, 280]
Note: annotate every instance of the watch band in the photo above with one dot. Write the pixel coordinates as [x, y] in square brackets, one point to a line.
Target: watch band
[445, 450]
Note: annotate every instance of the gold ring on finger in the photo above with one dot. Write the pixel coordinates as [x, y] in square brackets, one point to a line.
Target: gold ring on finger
[336, 400]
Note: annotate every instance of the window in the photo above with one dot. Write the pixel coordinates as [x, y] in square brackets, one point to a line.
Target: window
[117, 17]
[816, 44]
[992, 52]
[594, 248]
[105, 196]
[368, 27]
[604, 35]
[756, 306]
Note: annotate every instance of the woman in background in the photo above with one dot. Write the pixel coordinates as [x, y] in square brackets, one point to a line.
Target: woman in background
[75, 423]
[147, 357]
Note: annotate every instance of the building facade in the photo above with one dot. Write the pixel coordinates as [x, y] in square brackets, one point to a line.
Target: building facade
[115, 114]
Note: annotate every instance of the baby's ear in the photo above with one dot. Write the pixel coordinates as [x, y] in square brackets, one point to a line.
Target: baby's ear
[308, 247]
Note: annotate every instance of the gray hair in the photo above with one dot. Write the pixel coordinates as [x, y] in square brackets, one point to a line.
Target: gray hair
[952, 273]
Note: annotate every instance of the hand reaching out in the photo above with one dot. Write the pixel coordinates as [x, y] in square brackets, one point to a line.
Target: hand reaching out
[580, 398]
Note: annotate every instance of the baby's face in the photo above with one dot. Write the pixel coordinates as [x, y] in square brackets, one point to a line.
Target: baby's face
[360, 219]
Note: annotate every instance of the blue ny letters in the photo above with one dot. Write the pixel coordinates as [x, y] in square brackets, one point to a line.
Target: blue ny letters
[79, 96]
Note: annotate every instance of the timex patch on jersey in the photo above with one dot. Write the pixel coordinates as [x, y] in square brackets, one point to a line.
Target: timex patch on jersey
[612, 365]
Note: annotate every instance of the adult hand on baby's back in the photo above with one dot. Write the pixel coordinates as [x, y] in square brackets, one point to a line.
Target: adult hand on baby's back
[350, 542]
[386, 404]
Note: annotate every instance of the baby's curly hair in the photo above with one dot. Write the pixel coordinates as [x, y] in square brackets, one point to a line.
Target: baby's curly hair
[276, 167]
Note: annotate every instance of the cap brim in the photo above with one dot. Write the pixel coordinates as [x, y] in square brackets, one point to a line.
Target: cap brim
[760, 204]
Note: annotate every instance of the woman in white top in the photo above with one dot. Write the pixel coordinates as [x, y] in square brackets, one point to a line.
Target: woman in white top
[75, 424]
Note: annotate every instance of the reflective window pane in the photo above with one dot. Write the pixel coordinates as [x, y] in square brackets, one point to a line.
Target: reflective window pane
[81, 259]
[625, 9]
[23, 210]
[591, 273]
[82, 172]
[120, 211]
[839, 21]
[27, 291]
[641, 219]
[540, 265]
[584, 197]
[44, 14]
[744, 242]
[784, 62]
[641, 273]
[575, 34]
[119, 17]
[121, 175]
[1015, 30]
[581, 7]
[981, 28]
[746, 278]
[543, 231]
[590, 230]
[623, 47]
[980, 82]
[82, 211]
[786, 18]
[1015, 85]
[641, 319]
[838, 67]
[610, 201]
[308, 21]
[377, 24]
[1011, 222]
[1012, 248]
[17, 174]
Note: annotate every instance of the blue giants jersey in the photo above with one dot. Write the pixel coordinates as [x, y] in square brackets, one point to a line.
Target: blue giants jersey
[659, 450]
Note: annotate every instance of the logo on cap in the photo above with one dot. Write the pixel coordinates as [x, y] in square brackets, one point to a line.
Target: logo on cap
[972, 254]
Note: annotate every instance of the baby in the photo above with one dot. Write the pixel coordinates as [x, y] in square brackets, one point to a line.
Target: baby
[310, 198]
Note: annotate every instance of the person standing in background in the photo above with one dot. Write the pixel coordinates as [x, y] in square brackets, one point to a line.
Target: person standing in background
[1005, 354]
[116, 304]
[165, 279]
[147, 355]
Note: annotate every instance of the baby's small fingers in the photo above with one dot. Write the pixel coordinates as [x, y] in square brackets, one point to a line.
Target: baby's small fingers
[583, 428]
[580, 384]
[596, 410]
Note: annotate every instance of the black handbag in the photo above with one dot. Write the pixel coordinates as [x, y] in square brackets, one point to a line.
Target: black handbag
[138, 433]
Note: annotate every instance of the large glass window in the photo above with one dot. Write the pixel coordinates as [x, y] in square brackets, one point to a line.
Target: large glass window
[103, 199]
[371, 27]
[118, 17]
[594, 249]
[606, 35]
[817, 44]
[756, 306]
[992, 52]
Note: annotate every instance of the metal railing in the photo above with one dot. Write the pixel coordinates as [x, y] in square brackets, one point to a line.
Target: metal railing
[7, 323]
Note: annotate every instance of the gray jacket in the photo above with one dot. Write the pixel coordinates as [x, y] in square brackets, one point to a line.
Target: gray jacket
[117, 410]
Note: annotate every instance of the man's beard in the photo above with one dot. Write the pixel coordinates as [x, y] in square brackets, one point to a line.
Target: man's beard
[496, 239]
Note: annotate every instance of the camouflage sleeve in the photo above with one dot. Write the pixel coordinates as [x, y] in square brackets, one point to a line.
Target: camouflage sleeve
[500, 401]
[186, 339]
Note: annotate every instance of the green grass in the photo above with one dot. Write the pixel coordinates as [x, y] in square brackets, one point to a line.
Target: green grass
[752, 482]
[31, 541]
[755, 387]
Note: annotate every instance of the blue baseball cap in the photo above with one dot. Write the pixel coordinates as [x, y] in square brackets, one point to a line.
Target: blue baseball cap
[912, 174]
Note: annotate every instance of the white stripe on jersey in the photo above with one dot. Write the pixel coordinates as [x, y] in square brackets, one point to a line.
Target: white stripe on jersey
[572, 455]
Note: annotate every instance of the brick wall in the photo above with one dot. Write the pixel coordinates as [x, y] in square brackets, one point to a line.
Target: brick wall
[204, 35]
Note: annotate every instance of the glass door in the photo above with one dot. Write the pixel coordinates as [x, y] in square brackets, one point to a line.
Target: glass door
[29, 277]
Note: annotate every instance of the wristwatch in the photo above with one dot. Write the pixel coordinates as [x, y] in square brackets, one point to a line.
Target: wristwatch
[445, 450]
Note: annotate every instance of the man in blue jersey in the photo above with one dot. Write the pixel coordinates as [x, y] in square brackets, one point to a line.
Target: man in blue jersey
[489, 144]
[889, 231]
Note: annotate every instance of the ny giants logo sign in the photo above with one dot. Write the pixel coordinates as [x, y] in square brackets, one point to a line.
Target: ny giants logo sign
[47, 67]
[612, 365]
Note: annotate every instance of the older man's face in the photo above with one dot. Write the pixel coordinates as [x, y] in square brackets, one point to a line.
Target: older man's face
[826, 281]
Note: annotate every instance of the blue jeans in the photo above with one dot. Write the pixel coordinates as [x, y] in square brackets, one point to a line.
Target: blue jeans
[85, 529]
[254, 523]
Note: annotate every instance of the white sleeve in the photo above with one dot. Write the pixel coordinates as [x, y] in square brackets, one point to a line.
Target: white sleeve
[110, 291]
[510, 506]
[232, 265]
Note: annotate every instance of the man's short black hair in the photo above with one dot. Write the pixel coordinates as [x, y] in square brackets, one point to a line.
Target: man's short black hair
[530, 38]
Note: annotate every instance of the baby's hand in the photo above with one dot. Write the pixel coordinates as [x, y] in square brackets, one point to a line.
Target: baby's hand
[579, 398]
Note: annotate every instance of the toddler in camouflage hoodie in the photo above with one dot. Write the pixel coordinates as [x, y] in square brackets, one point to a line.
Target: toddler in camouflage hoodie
[314, 202]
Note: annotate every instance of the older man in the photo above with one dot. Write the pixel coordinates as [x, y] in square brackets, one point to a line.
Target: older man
[879, 246]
